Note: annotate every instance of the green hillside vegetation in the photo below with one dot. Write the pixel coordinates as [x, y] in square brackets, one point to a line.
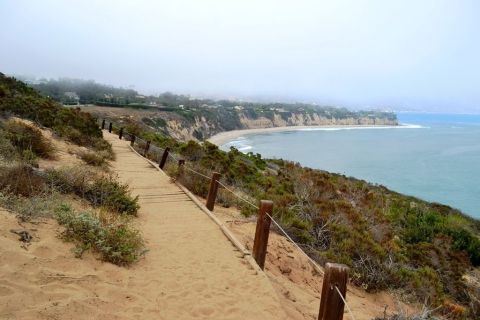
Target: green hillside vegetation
[17, 99]
[390, 240]
[88, 91]
[32, 192]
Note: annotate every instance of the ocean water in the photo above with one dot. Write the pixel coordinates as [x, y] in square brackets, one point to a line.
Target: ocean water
[435, 157]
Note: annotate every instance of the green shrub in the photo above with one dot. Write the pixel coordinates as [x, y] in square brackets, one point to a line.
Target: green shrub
[105, 147]
[28, 140]
[99, 190]
[465, 240]
[114, 239]
[106, 191]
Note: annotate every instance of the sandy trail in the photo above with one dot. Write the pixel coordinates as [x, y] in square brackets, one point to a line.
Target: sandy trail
[191, 270]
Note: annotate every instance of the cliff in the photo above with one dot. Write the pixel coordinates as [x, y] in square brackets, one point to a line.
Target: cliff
[202, 128]
[202, 123]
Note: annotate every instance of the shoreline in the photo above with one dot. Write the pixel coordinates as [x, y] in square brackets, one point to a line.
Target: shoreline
[224, 137]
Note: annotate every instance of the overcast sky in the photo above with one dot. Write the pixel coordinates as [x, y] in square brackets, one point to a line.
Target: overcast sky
[417, 54]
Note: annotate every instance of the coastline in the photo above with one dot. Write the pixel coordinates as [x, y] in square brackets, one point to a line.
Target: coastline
[223, 137]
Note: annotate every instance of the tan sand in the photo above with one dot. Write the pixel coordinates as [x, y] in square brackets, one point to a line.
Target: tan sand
[224, 137]
[191, 270]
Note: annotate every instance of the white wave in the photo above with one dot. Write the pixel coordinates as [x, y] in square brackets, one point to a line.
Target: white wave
[238, 140]
[244, 148]
[401, 126]
[241, 144]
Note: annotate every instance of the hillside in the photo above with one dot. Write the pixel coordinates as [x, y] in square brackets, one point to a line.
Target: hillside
[187, 118]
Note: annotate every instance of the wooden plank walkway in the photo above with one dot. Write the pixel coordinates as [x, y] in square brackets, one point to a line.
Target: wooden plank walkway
[191, 270]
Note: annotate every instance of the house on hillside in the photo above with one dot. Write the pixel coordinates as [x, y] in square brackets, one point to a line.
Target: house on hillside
[71, 98]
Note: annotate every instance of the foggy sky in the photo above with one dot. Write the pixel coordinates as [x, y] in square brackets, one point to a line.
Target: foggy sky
[419, 54]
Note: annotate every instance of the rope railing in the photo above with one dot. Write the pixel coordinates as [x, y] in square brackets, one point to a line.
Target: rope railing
[333, 276]
[140, 139]
[173, 157]
[198, 173]
[236, 195]
[315, 265]
[350, 313]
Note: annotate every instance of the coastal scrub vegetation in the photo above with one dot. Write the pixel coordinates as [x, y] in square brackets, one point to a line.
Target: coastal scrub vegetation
[423, 250]
[32, 192]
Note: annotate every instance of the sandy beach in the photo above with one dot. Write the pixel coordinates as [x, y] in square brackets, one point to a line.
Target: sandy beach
[224, 137]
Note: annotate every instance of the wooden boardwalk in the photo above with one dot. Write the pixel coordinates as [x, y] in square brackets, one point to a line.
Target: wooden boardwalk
[191, 269]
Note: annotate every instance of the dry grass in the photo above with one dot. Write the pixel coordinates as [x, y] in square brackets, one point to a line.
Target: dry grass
[96, 159]
[21, 179]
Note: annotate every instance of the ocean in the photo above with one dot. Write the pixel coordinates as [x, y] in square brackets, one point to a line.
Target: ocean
[435, 157]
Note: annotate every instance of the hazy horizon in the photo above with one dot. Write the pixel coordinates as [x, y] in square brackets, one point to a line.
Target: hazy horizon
[400, 55]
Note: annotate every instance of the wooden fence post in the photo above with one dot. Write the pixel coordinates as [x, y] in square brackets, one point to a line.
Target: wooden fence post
[212, 193]
[110, 126]
[132, 140]
[103, 124]
[181, 163]
[262, 231]
[120, 134]
[331, 304]
[164, 158]
[147, 146]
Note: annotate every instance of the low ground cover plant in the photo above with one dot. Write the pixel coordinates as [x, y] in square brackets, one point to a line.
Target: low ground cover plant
[112, 237]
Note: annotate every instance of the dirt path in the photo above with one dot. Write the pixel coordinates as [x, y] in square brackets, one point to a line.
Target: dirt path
[191, 270]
